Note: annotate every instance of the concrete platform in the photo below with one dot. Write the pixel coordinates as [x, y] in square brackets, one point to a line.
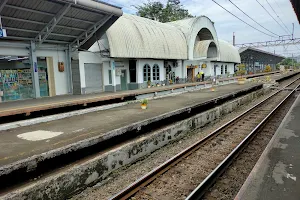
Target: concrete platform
[277, 173]
[24, 142]
[65, 180]
[48, 103]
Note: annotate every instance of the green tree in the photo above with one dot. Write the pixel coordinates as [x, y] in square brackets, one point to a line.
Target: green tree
[157, 11]
[288, 62]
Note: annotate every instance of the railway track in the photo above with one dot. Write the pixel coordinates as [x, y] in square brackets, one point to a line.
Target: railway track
[243, 164]
[207, 159]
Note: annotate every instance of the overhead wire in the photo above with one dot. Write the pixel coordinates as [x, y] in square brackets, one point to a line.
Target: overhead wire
[278, 6]
[278, 16]
[241, 19]
[252, 18]
[271, 15]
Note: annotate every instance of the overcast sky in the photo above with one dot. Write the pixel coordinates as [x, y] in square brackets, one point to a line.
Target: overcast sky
[226, 24]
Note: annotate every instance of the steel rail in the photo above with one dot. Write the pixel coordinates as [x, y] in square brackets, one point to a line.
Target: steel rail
[152, 175]
[201, 189]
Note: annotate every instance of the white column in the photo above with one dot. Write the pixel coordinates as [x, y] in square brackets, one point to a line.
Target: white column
[113, 74]
[35, 74]
[183, 70]
[179, 68]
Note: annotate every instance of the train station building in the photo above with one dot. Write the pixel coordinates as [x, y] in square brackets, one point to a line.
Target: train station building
[135, 52]
[64, 47]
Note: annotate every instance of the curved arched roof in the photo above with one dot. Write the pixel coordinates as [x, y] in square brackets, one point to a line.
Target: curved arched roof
[136, 37]
[228, 53]
[191, 27]
[201, 49]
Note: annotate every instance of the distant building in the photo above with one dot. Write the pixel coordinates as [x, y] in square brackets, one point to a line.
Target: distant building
[256, 60]
[137, 50]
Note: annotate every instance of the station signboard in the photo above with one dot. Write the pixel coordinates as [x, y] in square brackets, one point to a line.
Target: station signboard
[3, 33]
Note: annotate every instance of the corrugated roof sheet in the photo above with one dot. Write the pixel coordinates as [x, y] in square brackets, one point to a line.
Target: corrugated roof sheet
[228, 53]
[136, 37]
[243, 49]
[25, 20]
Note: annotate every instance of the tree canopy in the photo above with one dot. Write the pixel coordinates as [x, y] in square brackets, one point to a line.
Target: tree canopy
[288, 62]
[157, 11]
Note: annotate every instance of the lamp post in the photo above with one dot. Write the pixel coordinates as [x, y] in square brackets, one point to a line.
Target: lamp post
[271, 64]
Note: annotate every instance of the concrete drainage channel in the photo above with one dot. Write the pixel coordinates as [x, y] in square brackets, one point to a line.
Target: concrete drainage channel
[92, 169]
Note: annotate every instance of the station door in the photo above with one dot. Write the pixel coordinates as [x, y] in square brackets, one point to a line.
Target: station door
[93, 78]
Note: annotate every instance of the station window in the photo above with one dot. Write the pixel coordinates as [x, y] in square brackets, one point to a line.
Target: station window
[155, 72]
[225, 69]
[147, 72]
[221, 69]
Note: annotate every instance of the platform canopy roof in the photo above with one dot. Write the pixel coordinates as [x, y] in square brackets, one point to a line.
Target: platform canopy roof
[78, 23]
[296, 5]
[252, 54]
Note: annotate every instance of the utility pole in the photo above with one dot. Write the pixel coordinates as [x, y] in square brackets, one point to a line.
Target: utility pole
[233, 41]
[293, 60]
[293, 32]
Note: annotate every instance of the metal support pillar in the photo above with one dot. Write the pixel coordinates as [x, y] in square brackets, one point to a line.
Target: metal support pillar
[113, 75]
[35, 74]
[69, 69]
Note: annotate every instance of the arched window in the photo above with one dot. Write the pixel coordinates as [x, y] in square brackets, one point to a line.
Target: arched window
[147, 72]
[155, 72]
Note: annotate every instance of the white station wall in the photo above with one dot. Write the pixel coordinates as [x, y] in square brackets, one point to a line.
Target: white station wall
[11, 51]
[95, 58]
[151, 62]
[122, 64]
[230, 68]
[60, 78]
